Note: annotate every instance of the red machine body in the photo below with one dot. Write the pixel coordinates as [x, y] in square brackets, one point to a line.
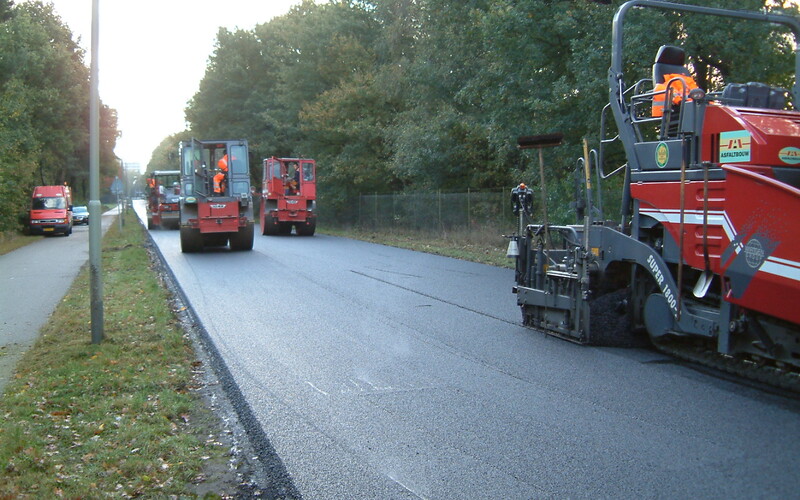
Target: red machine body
[163, 199]
[752, 233]
[288, 196]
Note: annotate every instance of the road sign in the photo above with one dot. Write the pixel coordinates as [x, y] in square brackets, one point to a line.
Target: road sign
[116, 186]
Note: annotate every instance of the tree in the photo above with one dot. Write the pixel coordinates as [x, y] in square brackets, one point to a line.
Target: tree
[165, 156]
[344, 128]
[432, 94]
[45, 82]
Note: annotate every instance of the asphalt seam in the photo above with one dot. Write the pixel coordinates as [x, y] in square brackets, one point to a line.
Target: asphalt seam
[433, 297]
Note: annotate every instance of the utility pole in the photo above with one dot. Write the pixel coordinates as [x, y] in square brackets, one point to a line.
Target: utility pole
[95, 209]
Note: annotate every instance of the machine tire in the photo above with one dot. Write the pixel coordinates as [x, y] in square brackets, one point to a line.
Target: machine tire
[191, 240]
[268, 228]
[243, 240]
[306, 229]
[150, 223]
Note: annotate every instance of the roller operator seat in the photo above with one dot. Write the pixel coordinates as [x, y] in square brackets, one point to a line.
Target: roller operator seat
[668, 65]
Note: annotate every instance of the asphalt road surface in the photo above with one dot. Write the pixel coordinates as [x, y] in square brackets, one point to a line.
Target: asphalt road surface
[378, 372]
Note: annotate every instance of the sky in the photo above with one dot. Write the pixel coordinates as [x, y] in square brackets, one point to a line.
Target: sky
[152, 56]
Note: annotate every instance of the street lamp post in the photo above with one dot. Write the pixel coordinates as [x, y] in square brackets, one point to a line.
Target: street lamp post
[95, 209]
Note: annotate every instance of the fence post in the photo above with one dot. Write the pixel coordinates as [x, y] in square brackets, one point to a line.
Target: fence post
[469, 206]
[439, 204]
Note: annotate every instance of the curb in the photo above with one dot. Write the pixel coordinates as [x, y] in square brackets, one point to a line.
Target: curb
[277, 481]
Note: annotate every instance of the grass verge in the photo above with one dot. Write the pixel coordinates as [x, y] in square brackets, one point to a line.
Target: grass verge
[482, 245]
[11, 240]
[116, 419]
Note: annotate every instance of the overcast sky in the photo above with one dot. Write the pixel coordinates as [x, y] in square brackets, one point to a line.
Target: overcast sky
[153, 54]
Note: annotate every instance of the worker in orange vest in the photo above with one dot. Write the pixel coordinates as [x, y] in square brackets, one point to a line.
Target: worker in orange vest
[681, 85]
[219, 179]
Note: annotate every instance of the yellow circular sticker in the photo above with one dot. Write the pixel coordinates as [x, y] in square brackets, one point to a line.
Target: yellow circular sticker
[662, 154]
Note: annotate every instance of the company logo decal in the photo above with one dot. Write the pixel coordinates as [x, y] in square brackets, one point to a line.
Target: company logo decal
[754, 253]
[662, 154]
[790, 155]
[734, 146]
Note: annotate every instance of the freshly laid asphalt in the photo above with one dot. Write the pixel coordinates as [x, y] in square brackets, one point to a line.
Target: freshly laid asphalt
[377, 372]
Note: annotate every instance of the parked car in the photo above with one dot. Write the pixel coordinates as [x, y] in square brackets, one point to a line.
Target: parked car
[80, 215]
[50, 210]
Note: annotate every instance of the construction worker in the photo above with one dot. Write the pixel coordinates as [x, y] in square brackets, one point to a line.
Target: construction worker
[292, 179]
[681, 85]
[219, 179]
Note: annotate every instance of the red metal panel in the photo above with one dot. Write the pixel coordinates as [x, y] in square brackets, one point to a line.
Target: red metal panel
[661, 200]
[218, 217]
[766, 228]
[774, 135]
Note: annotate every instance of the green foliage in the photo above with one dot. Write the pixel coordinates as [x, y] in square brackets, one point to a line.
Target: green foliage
[165, 156]
[44, 97]
[431, 94]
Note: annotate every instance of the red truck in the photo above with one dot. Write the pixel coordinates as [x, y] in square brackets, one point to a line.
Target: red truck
[288, 196]
[163, 199]
[51, 210]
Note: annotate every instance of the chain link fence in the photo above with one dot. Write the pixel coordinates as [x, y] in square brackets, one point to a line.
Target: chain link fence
[441, 212]
[431, 212]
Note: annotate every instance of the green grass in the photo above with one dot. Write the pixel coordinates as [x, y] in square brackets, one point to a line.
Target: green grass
[12, 240]
[480, 245]
[119, 418]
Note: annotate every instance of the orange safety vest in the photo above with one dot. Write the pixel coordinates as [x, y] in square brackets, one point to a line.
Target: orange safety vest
[223, 163]
[678, 84]
[220, 177]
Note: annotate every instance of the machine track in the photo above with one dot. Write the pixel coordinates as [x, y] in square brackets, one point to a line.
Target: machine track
[756, 373]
